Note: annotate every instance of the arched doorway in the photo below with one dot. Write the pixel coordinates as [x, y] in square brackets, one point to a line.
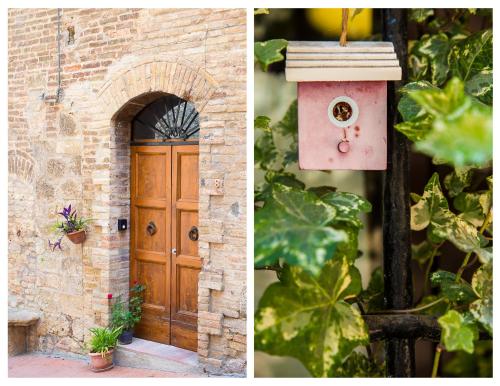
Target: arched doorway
[164, 218]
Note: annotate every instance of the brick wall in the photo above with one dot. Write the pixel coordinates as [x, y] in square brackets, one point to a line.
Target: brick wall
[75, 149]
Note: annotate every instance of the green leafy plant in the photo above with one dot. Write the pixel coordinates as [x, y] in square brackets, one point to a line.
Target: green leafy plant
[126, 315]
[308, 235]
[447, 113]
[104, 339]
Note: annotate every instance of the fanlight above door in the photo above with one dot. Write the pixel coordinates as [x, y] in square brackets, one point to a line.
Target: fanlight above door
[167, 118]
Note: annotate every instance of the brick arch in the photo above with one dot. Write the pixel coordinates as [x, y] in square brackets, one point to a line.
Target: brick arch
[21, 164]
[172, 77]
[106, 155]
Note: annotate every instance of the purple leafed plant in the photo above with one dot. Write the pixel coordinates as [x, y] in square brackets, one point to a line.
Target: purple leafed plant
[71, 223]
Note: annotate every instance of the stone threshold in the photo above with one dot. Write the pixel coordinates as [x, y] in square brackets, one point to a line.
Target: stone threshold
[150, 355]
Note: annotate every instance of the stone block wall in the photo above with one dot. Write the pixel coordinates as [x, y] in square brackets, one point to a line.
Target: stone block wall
[74, 149]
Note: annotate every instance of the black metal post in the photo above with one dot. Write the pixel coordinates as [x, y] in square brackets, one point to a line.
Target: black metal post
[400, 353]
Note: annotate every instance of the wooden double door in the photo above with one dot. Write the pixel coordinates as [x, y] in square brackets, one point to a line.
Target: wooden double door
[163, 243]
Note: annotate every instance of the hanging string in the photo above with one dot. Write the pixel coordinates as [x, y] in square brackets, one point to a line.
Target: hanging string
[345, 19]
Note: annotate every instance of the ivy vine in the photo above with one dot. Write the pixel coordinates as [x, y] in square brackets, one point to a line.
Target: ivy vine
[309, 235]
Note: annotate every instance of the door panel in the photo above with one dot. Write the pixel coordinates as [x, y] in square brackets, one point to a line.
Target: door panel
[164, 192]
[186, 263]
[150, 202]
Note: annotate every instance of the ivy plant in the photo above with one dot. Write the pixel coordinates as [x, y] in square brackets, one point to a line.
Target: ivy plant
[309, 235]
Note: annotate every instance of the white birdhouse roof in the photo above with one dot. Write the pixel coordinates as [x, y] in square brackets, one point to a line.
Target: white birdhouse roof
[329, 61]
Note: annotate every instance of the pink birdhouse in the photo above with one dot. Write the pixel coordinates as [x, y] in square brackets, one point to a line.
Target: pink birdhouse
[342, 102]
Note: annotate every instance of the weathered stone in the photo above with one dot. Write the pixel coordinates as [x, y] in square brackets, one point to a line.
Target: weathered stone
[77, 151]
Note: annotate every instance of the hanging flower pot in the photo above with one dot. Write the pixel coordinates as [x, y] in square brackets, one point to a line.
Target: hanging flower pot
[77, 237]
[73, 226]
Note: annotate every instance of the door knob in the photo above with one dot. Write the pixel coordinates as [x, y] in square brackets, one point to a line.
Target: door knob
[174, 251]
[151, 228]
[193, 234]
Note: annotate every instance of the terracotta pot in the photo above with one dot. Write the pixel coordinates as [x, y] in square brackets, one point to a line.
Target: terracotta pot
[77, 237]
[99, 363]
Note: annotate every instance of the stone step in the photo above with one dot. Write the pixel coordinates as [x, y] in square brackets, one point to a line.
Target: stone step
[144, 354]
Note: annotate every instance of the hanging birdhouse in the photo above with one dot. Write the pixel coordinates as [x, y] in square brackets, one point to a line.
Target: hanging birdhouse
[342, 102]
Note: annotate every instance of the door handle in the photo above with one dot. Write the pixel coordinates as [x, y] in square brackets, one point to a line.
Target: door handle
[151, 228]
[193, 234]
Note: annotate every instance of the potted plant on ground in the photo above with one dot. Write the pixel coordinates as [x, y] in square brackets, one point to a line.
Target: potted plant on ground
[102, 346]
[73, 227]
[126, 316]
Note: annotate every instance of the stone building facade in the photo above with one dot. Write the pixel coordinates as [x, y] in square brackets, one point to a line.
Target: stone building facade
[70, 103]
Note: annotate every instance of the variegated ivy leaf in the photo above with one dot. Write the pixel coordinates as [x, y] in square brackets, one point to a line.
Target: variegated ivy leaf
[460, 292]
[307, 317]
[431, 203]
[482, 309]
[481, 86]
[458, 180]
[473, 206]
[348, 206]
[472, 55]
[264, 192]
[485, 254]
[420, 15]
[294, 225]
[269, 52]
[432, 211]
[409, 108]
[436, 49]
[459, 331]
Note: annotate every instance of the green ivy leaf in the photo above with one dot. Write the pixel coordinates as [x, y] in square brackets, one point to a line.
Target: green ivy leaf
[460, 292]
[431, 203]
[472, 55]
[323, 190]
[358, 366]
[269, 52]
[289, 124]
[294, 226]
[482, 309]
[436, 310]
[458, 180]
[348, 207]
[307, 317]
[373, 295]
[458, 332]
[264, 149]
[423, 251]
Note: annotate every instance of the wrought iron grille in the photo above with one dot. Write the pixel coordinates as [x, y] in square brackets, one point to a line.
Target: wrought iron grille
[168, 117]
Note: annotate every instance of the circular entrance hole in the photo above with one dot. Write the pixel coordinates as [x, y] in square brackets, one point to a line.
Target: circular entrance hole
[342, 111]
